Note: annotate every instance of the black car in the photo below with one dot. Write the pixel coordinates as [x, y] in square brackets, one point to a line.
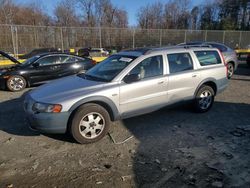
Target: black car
[41, 69]
[248, 59]
[37, 52]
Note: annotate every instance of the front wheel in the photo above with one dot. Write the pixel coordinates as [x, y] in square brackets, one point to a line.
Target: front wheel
[16, 83]
[90, 123]
[204, 99]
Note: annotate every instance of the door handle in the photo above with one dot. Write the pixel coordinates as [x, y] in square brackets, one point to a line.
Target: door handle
[55, 67]
[194, 75]
[161, 82]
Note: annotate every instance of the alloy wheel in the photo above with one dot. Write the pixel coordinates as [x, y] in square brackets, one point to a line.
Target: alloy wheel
[16, 83]
[91, 125]
[205, 99]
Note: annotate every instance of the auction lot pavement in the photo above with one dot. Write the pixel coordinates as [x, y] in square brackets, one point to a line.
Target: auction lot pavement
[173, 147]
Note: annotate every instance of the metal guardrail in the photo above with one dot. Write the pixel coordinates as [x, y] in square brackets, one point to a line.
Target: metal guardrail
[22, 39]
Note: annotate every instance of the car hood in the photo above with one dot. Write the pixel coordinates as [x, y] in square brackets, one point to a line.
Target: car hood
[8, 69]
[14, 60]
[64, 89]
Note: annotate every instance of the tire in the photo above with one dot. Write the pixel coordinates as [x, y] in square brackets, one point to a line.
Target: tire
[90, 123]
[16, 83]
[204, 99]
[230, 70]
[248, 61]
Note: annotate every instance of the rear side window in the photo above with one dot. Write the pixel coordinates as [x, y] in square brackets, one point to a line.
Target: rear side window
[179, 62]
[70, 59]
[208, 57]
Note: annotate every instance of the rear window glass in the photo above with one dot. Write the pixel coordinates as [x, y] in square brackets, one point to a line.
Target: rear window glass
[208, 57]
[219, 46]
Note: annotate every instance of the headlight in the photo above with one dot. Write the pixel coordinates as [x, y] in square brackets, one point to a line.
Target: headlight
[48, 108]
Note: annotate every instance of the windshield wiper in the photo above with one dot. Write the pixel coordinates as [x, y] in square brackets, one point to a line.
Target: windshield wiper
[90, 77]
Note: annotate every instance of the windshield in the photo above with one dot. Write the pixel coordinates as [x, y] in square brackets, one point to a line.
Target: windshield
[108, 69]
[30, 60]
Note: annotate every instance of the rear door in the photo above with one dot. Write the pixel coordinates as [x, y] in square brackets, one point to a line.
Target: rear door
[71, 65]
[183, 76]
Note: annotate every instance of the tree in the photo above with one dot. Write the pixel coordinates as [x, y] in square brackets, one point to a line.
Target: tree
[229, 11]
[121, 18]
[209, 16]
[194, 17]
[102, 13]
[151, 16]
[87, 7]
[65, 14]
[7, 11]
[31, 14]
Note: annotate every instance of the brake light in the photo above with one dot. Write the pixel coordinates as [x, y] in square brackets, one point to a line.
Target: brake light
[93, 62]
[224, 61]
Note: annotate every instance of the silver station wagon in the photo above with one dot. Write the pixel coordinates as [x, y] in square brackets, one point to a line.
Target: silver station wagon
[126, 84]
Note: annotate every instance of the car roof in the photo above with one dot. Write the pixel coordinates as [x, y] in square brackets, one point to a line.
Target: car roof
[175, 49]
[57, 53]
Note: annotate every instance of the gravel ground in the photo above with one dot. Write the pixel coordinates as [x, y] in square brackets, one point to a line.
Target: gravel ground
[173, 147]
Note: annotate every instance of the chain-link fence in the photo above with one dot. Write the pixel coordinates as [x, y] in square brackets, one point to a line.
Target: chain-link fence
[22, 39]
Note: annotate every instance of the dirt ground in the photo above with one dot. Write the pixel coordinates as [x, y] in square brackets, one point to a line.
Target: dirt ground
[173, 147]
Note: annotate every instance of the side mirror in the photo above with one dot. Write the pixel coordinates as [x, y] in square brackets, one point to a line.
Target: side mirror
[36, 65]
[132, 78]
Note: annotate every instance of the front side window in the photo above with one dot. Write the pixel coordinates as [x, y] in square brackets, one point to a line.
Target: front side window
[179, 62]
[49, 60]
[109, 68]
[149, 67]
[208, 57]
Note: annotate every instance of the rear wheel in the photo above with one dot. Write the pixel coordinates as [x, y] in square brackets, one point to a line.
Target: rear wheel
[248, 60]
[230, 70]
[204, 99]
[16, 83]
[90, 123]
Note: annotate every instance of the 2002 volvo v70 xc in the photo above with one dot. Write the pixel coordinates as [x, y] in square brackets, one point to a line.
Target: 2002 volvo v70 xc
[126, 84]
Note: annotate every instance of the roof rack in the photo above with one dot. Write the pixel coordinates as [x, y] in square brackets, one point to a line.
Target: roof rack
[202, 45]
[145, 51]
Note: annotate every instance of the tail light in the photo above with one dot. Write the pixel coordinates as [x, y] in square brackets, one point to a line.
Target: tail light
[224, 61]
[93, 62]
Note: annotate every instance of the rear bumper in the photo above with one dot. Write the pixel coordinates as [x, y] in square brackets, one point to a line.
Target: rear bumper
[222, 85]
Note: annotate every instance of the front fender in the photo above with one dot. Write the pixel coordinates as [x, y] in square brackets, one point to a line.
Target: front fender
[115, 115]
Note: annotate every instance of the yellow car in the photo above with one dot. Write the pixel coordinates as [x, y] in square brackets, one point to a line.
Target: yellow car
[6, 59]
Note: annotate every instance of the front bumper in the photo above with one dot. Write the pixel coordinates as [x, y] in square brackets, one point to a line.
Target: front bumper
[45, 122]
[2, 83]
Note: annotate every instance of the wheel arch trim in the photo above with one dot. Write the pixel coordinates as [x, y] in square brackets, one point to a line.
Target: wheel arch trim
[105, 102]
[213, 80]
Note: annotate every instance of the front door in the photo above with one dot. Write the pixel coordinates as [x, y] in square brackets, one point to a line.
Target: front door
[46, 69]
[147, 94]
